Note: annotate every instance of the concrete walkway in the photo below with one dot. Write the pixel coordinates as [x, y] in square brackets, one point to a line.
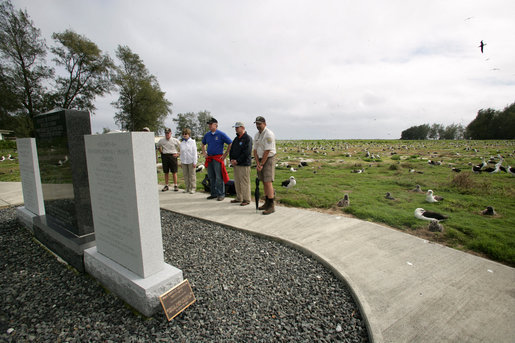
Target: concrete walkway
[410, 290]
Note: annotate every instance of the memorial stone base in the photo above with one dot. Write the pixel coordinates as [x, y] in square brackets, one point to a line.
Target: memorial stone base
[63, 243]
[141, 293]
[26, 217]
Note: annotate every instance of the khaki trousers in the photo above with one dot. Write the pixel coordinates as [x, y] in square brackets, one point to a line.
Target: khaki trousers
[242, 183]
[190, 177]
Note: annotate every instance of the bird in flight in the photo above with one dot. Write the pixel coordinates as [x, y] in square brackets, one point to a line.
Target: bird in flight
[482, 45]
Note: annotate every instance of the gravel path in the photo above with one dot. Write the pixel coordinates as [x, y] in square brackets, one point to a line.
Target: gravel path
[247, 289]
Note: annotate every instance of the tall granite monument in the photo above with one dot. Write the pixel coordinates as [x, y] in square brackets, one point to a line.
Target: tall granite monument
[128, 257]
[30, 182]
[67, 226]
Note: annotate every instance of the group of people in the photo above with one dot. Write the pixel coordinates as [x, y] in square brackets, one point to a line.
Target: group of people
[240, 151]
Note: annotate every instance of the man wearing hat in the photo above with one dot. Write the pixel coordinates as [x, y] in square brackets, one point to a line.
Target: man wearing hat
[215, 156]
[169, 148]
[264, 154]
[241, 158]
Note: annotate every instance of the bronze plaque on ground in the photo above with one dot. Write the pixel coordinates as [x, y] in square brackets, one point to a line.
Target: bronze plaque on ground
[177, 299]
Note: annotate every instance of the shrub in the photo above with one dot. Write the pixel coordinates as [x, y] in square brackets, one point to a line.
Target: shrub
[396, 158]
[463, 181]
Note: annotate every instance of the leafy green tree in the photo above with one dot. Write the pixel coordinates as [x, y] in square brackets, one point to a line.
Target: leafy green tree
[453, 131]
[23, 72]
[416, 132]
[87, 71]
[482, 126]
[201, 126]
[141, 102]
[185, 120]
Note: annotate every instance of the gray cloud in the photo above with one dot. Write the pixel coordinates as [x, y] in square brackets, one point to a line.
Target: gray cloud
[315, 69]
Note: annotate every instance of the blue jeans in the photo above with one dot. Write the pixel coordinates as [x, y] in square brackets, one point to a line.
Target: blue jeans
[216, 181]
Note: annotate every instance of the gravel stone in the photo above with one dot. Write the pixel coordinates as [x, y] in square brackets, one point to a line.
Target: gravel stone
[247, 289]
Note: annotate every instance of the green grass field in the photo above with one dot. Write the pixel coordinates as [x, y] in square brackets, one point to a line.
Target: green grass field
[397, 167]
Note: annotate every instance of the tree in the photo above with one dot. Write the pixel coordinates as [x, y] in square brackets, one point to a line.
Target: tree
[416, 132]
[88, 71]
[186, 120]
[453, 131]
[492, 124]
[23, 71]
[202, 118]
[141, 102]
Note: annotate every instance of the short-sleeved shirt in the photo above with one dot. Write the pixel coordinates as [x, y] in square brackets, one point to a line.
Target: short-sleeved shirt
[264, 141]
[215, 142]
[170, 146]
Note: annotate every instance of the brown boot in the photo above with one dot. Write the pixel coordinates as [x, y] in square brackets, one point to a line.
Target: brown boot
[265, 205]
[271, 207]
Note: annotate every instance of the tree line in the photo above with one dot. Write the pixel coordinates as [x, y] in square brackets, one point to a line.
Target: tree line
[488, 124]
[29, 86]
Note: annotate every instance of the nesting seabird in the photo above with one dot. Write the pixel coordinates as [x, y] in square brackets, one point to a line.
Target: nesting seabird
[2, 159]
[489, 211]
[389, 196]
[430, 197]
[493, 170]
[456, 170]
[199, 168]
[435, 226]
[357, 171]
[511, 170]
[420, 213]
[345, 202]
[289, 183]
[293, 170]
[477, 168]
[418, 189]
[10, 158]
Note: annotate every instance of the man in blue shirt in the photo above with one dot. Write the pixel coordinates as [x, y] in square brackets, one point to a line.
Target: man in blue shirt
[215, 156]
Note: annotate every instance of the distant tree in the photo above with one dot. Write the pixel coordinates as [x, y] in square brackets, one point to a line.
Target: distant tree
[416, 132]
[434, 131]
[141, 102]
[185, 120]
[483, 126]
[105, 130]
[23, 71]
[202, 118]
[87, 71]
[453, 131]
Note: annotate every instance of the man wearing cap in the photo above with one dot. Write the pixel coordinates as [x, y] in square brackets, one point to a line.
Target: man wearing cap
[169, 148]
[215, 156]
[241, 158]
[264, 154]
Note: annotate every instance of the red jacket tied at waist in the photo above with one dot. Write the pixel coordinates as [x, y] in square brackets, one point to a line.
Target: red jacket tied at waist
[218, 158]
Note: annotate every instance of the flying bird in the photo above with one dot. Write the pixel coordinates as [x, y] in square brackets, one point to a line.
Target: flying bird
[289, 183]
[481, 45]
[420, 213]
[344, 202]
[430, 197]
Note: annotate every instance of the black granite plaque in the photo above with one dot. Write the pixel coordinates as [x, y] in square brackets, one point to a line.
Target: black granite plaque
[67, 227]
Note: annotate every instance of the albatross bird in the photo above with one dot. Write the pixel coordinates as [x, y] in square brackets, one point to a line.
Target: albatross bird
[345, 202]
[511, 170]
[430, 197]
[289, 183]
[481, 45]
[477, 168]
[420, 213]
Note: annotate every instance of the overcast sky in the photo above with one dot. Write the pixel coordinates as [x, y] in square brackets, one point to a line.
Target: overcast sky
[314, 69]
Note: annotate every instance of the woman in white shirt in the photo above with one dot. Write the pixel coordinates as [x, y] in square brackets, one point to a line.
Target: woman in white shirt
[189, 161]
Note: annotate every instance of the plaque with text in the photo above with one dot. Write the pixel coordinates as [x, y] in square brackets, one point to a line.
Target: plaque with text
[177, 299]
